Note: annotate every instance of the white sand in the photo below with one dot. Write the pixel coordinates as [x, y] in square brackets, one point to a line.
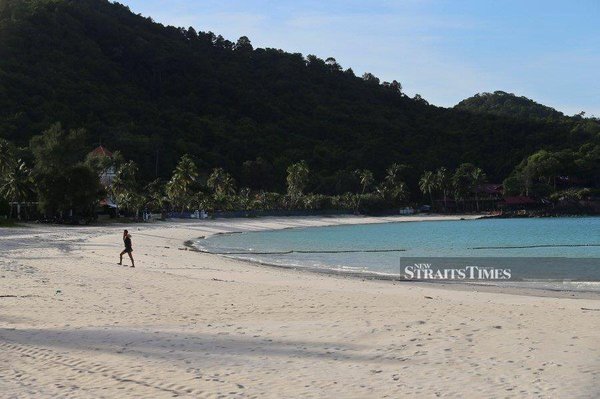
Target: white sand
[73, 324]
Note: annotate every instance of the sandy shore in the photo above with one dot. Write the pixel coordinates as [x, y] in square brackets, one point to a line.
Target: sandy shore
[73, 324]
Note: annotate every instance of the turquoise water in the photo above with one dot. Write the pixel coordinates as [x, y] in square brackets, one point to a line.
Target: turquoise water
[539, 249]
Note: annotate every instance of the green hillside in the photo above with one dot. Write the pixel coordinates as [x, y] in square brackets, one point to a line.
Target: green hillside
[508, 104]
[157, 92]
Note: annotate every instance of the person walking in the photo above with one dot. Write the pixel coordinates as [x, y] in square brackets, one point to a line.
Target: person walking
[128, 248]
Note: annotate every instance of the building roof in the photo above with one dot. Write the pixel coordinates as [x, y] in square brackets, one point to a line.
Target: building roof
[101, 152]
[489, 188]
[519, 200]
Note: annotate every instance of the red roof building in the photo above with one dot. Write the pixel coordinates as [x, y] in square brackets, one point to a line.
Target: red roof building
[107, 176]
[518, 201]
[101, 152]
[490, 189]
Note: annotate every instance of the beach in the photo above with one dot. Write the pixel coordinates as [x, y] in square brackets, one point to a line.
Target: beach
[74, 324]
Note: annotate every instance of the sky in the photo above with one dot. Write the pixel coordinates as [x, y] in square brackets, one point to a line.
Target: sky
[444, 50]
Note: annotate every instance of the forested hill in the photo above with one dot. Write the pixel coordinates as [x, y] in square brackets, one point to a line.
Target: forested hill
[508, 104]
[159, 92]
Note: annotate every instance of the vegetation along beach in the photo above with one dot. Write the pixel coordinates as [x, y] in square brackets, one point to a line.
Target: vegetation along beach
[384, 199]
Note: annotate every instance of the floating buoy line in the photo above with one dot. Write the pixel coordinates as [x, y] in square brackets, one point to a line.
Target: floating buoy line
[298, 251]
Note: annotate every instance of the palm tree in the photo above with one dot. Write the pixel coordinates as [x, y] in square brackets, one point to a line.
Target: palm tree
[132, 201]
[16, 184]
[297, 178]
[221, 182]
[124, 182]
[244, 199]
[478, 178]
[155, 194]
[184, 176]
[365, 178]
[223, 186]
[444, 184]
[392, 188]
[427, 184]
[462, 182]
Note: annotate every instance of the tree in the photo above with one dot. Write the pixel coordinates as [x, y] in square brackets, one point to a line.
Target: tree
[124, 186]
[587, 162]
[370, 78]
[543, 165]
[84, 199]
[102, 164]
[396, 86]
[297, 178]
[56, 148]
[513, 185]
[155, 195]
[257, 174]
[537, 173]
[179, 188]
[132, 201]
[427, 184]
[63, 182]
[244, 199]
[365, 177]
[333, 65]
[158, 87]
[461, 181]
[392, 189]
[478, 177]
[16, 184]
[443, 183]
[223, 186]
[221, 182]
[243, 45]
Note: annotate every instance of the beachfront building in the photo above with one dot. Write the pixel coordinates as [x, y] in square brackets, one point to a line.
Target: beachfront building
[107, 176]
[485, 197]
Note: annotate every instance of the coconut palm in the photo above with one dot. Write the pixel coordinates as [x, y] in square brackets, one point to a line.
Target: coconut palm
[365, 179]
[179, 187]
[244, 199]
[267, 201]
[221, 182]
[16, 184]
[124, 182]
[392, 188]
[478, 177]
[427, 184]
[444, 184]
[131, 201]
[297, 178]
[223, 186]
[155, 194]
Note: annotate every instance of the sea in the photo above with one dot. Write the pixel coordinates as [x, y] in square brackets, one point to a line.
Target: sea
[539, 253]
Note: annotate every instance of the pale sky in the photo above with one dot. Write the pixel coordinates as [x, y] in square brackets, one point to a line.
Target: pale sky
[445, 50]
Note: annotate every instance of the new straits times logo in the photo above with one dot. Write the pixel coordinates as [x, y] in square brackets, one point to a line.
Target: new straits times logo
[424, 271]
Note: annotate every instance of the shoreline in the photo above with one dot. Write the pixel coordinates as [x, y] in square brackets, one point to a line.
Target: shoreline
[188, 324]
[374, 276]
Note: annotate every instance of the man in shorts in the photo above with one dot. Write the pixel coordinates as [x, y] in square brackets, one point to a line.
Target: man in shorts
[128, 248]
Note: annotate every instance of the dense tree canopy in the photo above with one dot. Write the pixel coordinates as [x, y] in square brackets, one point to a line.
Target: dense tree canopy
[507, 104]
[158, 92]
